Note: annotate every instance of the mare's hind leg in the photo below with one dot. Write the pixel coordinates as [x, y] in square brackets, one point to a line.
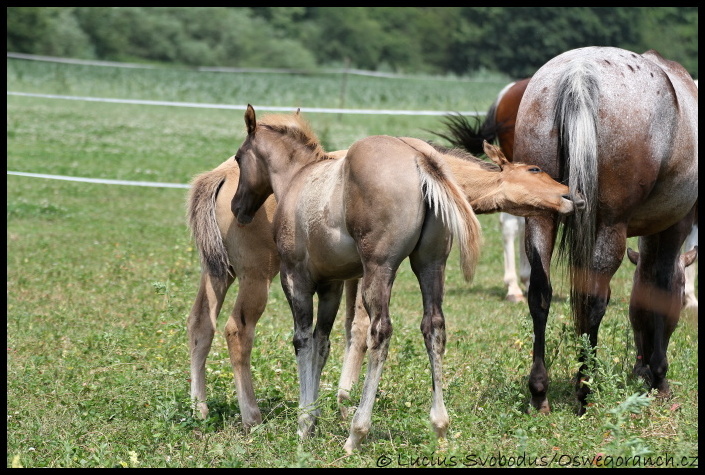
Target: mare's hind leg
[357, 324]
[201, 326]
[376, 290]
[655, 305]
[428, 262]
[540, 239]
[240, 334]
[524, 267]
[592, 297]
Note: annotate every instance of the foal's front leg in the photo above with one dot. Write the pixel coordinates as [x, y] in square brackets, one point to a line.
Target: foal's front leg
[329, 296]
[300, 300]
[311, 347]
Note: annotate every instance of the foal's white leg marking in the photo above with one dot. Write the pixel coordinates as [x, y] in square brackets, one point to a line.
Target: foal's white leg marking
[439, 415]
[691, 301]
[308, 413]
[302, 305]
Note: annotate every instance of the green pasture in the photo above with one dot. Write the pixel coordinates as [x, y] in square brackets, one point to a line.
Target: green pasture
[101, 278]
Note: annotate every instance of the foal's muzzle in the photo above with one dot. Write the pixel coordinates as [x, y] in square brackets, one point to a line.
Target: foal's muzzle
[577, 199]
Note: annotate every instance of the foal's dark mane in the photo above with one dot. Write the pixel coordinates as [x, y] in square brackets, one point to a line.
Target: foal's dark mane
[462, 154]
[298, 129]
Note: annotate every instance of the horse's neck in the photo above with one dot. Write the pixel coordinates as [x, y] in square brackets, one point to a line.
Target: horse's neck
[283, 172]
[482, 188]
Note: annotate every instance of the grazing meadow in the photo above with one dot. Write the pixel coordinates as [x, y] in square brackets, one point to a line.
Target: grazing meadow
[101, 278]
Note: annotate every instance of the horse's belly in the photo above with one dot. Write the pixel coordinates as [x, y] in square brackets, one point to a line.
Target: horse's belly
[334, 256]
[657, 215]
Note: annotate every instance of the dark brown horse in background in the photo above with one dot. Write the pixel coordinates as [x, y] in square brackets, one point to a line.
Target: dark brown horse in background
[621, 129]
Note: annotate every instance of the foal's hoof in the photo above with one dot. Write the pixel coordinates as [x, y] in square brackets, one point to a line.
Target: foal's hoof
[307, 426]
[344, 398]
[663, 391]
[200, 410]
[351, 446]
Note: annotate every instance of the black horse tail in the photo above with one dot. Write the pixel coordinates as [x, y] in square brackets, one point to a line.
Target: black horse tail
[463, 133]
[575, 117]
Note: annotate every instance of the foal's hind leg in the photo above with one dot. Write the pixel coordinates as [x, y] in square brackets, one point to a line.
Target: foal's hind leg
[357, 324]
[428, 263]
[240, 334]
[376, 290]
[201, 328]
[691, 301]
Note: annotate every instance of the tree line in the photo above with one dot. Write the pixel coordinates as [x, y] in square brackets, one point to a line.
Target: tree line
[514, 41]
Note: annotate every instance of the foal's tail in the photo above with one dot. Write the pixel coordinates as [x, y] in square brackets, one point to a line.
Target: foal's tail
[446, 199]
[200, 210]
[575, 116]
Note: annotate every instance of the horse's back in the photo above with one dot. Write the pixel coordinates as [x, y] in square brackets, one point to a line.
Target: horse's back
[380, 165]
[383, 191]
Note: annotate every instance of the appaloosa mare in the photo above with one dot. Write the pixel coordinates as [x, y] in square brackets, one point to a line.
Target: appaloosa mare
[620, 128]
[390, 198]
[498, 126]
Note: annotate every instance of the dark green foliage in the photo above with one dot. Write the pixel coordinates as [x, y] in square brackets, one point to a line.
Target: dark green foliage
[434, 40]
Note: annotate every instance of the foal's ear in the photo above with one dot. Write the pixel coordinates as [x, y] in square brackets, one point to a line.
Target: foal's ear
[687, 258]
[495, 154]
[298, 111]
[250, 119]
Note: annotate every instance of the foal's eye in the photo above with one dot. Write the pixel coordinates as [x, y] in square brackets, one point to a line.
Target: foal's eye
[535, 170]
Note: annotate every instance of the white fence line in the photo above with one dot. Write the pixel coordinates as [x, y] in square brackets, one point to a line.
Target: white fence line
[352, 71]
[152, 184]
[195, 105]
[320, 110]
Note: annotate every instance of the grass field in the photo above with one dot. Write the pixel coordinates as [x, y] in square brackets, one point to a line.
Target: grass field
[101, 278]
